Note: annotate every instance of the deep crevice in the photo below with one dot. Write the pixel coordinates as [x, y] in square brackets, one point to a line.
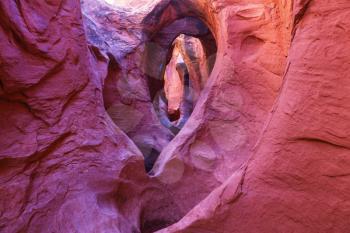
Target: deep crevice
[177, 59]
[197, 54]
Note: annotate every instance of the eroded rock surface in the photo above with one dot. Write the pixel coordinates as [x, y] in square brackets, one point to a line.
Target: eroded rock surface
[114, 33]
[264, 150]
[233, 107]
[296, 180]
[61, 157]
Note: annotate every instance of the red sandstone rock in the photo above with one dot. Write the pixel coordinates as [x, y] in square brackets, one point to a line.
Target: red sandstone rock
[173, 82]
[265, 149]
[296, 181]
[232, 110]
[60, 155]
[126, 91]
[197, 63]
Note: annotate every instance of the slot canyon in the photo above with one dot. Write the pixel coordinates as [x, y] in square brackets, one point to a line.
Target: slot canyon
[174, 116]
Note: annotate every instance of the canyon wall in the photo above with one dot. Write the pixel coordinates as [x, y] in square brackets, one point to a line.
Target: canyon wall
[61, 156]
[234, 105]
[296, 180]
[82, 148]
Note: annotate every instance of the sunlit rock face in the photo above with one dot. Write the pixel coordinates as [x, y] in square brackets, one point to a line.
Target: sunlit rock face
[198, 62]
[174, 83]
[263, 148]
[185, 75]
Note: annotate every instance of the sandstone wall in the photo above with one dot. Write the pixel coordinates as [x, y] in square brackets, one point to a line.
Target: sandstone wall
[265, 149]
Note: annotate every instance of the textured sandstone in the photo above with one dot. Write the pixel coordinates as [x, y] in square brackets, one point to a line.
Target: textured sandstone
[230, 114]
[117, 37]
[173, 82]
[297, 180]
[60, 155]
[83, 113]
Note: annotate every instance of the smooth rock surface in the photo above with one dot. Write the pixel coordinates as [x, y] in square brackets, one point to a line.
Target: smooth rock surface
[297, 179]
[265, 149]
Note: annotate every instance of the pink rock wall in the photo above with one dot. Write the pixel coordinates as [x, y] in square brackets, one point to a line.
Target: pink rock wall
[116, 40]
[265, 149]
[197, 62]
[60, 155]
[234, 105]
[174, 83]
[296, 180]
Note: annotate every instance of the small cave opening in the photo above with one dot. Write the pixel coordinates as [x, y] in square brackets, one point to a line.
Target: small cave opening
[151, 93]
[187, 67]
[179, 60]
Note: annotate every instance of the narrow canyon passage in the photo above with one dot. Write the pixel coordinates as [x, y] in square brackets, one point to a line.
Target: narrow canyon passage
[174, 116]
[172, 71]
[185, 75]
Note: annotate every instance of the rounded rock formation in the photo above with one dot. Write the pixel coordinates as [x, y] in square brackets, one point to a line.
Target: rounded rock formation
[174, 116]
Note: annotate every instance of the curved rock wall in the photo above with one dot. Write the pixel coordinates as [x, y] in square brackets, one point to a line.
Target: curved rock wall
[61, 157]
[265, 149]
[296, 180]
[115, 33]
[234, 105]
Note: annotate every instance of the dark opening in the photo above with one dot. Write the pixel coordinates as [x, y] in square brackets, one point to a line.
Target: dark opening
[174, 115]
[150, 155]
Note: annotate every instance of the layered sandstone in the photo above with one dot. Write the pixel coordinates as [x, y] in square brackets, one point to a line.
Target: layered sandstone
[84, 115]
[296, 180]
